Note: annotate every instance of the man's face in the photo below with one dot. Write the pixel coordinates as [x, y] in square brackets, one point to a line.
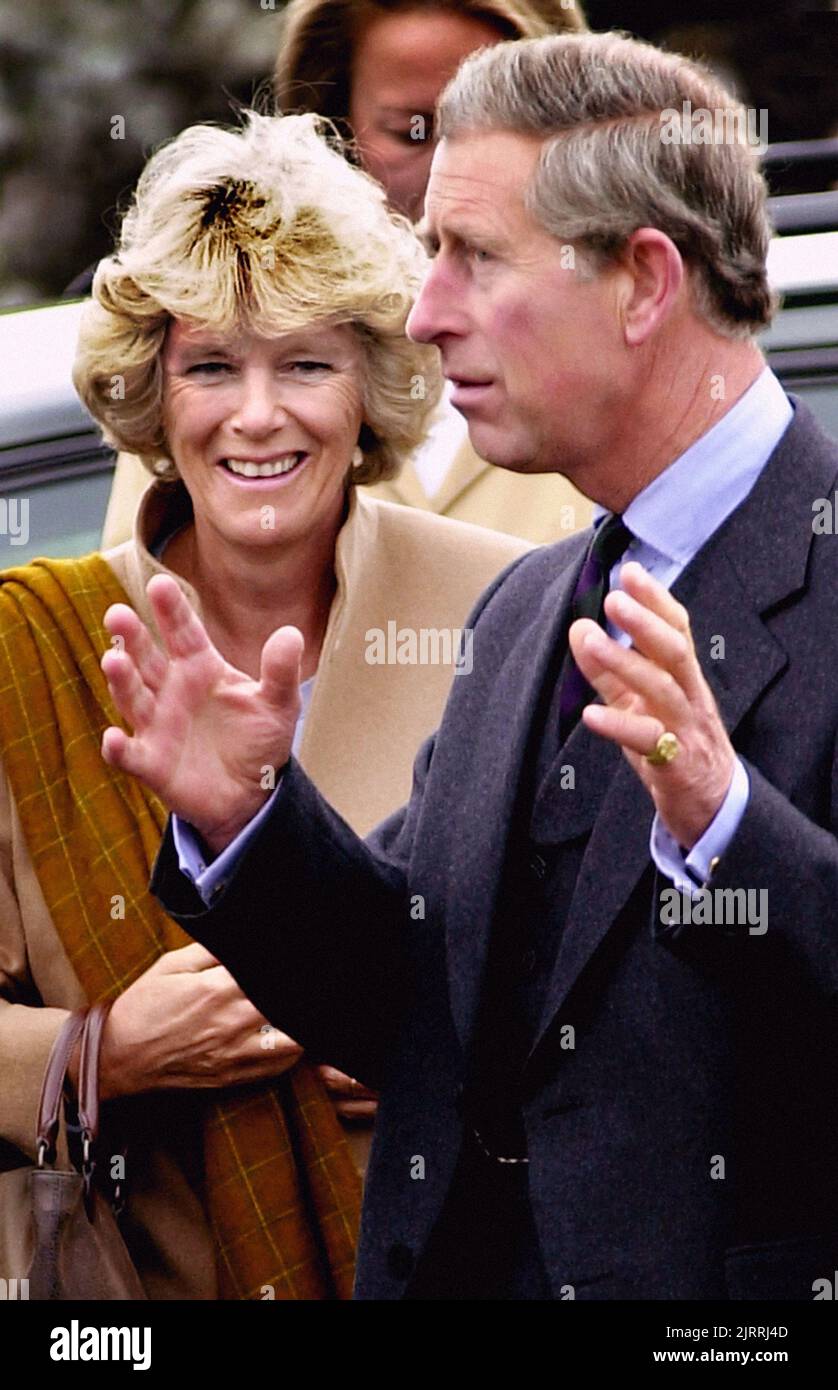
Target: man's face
[532, 346]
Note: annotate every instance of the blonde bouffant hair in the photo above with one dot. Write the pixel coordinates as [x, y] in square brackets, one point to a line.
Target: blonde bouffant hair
[265, 227]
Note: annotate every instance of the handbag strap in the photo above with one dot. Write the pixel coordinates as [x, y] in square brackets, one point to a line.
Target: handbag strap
[87, 1024]
[52, 1088]
[91, 1043]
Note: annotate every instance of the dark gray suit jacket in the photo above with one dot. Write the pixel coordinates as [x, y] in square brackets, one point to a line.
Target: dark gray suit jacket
[687, 1145]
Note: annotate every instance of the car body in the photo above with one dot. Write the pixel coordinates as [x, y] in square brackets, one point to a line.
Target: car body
[54, 468]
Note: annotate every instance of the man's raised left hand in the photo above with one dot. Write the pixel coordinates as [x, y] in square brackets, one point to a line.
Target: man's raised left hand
[657, 686]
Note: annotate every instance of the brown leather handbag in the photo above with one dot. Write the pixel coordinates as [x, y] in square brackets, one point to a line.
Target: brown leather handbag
[57, 1229]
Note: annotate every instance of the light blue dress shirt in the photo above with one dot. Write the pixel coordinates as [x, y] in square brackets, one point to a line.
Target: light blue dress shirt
[670, 520]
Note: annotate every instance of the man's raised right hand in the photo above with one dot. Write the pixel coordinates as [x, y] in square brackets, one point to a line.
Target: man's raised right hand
[204, 732]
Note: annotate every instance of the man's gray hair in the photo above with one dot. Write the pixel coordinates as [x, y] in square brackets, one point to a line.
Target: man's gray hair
[607, 166]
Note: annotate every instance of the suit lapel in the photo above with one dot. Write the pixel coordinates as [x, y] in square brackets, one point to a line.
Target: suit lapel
[727, 587]
[480, 823]
[568, 799]
[466, 465]
[405, 488]
[617, 853]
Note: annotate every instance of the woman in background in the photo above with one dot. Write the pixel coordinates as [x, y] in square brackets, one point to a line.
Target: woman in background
[376, 68]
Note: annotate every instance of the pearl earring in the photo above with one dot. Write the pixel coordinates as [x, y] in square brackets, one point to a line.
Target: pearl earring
[357, 456]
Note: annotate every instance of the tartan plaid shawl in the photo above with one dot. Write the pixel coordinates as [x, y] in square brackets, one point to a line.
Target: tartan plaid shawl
[281, 1192]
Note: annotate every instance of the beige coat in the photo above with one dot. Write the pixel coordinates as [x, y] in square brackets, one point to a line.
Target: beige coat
[539, 507]
[363, 727]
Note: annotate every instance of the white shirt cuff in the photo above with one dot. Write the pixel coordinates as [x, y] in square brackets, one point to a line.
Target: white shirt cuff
[210, 879]
[691, 873]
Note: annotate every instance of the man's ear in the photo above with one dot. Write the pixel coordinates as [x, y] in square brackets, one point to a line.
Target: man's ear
[653, 273]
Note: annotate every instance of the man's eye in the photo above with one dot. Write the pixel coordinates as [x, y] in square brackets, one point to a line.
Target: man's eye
[479, 255]
[309, 368]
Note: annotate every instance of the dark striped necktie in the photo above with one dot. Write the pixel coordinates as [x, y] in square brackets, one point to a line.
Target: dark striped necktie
[609, 542]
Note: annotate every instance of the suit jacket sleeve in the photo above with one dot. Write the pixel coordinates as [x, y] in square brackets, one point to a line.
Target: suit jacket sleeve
[780, 852]
[312, 924]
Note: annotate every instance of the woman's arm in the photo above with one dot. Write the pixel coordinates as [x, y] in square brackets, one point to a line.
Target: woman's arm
[183, 1023]
[27, 1029]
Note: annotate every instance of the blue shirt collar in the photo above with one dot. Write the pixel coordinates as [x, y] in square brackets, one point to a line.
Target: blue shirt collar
[681, 508]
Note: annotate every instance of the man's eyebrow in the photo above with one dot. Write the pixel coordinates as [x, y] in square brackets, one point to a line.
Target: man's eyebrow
[429, 239]
[462, 235]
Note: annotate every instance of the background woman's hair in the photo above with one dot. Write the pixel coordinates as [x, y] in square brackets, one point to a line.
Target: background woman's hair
[316, 52]
[609, 168]
[266, 227]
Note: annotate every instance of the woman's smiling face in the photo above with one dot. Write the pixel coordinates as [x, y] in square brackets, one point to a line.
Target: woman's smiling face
[262, 430]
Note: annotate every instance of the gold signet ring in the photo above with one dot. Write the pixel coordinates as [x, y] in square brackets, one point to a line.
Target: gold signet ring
[666, 748]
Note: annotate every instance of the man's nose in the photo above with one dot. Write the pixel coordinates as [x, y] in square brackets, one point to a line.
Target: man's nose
[436, 311]
[260, 409]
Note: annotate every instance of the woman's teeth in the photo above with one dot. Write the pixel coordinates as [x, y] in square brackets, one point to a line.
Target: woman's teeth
[245, 469]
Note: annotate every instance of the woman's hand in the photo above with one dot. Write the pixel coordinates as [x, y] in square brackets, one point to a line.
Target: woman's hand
[352, 1101]
[206, 736]
[186, 1023]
